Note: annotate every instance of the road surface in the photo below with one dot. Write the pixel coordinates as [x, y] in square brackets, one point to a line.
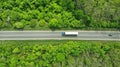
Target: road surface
[56, 35]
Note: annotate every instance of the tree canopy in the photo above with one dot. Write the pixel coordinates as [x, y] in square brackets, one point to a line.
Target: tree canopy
[74, 14]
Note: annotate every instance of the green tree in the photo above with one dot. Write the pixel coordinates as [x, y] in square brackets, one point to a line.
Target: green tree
[79, 14]
[55, 8]
[54, 24]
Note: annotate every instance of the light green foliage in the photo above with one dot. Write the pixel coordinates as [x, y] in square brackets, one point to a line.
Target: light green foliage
[60, 57]
[54, 23]
[59, 53]
[55, 8]
[42, 23]
[77, 24]
[19, 25]
[75, 14]
[16, 50]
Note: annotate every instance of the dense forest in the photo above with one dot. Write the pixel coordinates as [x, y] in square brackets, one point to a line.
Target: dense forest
[59, 14]
[59, 54]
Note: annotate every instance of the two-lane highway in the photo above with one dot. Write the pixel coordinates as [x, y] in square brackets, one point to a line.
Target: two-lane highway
[56, 35]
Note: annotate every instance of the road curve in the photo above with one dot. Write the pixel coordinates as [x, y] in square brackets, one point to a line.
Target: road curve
[56, 35]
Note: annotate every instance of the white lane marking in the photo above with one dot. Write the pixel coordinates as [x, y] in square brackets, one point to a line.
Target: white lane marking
[56, 39]
[61, 31]
[29, 35]
[49, 35]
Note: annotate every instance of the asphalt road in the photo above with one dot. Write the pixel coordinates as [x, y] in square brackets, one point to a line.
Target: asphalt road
[56, 35]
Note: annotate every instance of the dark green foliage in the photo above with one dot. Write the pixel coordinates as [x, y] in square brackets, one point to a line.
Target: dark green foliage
[59, 53]
[79, 14]
[69, 14]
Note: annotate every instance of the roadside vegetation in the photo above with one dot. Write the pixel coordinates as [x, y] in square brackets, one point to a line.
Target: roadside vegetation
[59, 53]
[59, 14]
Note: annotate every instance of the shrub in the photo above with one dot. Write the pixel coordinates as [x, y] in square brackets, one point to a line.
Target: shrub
[18, 25]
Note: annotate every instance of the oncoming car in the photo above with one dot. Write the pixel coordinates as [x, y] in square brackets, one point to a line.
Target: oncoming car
[110, 34]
